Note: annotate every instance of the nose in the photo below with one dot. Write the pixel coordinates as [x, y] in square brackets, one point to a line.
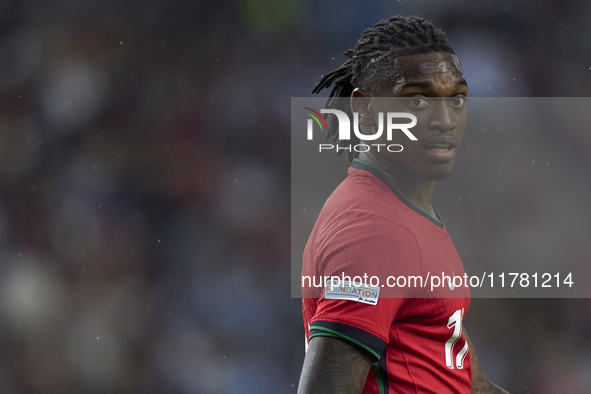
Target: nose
[442, 117]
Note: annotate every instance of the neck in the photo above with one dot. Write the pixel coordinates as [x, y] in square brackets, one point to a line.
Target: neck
[414, 187]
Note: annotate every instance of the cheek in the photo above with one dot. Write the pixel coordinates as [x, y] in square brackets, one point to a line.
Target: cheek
[421, 128]
[461, 125]
[398, 137]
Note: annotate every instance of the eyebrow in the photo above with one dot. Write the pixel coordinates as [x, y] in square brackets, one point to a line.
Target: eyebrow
[429, 85]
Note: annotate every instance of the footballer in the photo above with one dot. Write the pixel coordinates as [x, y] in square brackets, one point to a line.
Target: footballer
[380, 221]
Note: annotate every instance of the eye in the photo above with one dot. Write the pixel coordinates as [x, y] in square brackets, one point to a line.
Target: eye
[458, 101]
[419, 102]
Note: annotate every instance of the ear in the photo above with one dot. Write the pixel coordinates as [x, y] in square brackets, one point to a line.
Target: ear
[361, 103]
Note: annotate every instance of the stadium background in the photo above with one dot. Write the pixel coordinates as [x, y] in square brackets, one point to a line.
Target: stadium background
[144, 187]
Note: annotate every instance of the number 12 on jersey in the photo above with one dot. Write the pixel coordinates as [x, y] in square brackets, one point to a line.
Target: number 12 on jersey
[455, 322]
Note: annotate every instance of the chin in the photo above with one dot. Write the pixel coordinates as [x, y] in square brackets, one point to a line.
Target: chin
[437, 174]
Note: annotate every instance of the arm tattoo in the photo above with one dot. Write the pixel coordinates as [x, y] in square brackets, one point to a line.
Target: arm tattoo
[480, 383]
[483, 385]
[333, 365]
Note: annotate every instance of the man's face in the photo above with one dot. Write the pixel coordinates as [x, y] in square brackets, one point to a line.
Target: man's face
[431, 87]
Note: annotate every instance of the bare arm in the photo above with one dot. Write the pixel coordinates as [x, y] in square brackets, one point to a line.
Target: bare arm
[480, 383]
[333, 365]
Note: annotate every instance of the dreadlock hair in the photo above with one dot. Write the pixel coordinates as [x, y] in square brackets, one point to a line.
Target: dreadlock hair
[373, 59]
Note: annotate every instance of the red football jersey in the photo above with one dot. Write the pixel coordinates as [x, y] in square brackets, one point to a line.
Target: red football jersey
[414, 332]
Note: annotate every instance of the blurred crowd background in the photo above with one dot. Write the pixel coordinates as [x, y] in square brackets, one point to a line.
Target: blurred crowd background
[145, 187]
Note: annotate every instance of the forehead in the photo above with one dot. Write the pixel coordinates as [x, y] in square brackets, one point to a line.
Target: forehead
[428, 65]
[440, 69]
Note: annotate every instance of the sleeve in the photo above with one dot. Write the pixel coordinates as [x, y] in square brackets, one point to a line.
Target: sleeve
[371, 249]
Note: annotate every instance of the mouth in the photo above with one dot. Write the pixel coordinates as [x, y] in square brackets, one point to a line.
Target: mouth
[438, 147]
[441, 148]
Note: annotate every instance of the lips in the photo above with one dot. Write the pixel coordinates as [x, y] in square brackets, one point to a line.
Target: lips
[440, 148]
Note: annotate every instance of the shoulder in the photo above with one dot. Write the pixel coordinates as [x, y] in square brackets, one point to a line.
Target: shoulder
[363, 220]
[360, 196]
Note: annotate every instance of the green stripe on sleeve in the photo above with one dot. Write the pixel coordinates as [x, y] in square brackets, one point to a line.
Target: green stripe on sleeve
[342, 336]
